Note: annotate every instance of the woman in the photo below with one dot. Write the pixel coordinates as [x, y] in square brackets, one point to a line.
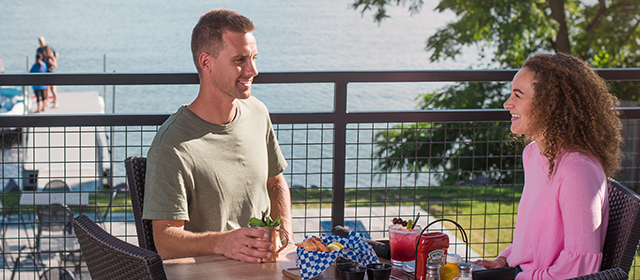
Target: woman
[51, 59]
[565, 109]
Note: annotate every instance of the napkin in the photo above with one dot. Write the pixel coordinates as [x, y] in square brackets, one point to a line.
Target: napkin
[312, 263]
[381, 248]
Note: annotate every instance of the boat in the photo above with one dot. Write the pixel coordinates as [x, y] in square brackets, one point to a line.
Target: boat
[12, 102]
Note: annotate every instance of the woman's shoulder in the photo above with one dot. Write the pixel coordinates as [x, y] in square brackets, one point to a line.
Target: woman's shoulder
[578, 164]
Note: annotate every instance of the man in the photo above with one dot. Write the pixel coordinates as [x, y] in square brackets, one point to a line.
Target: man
[216, 163]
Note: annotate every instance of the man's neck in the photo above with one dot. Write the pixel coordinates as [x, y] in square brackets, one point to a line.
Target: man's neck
[216, 111]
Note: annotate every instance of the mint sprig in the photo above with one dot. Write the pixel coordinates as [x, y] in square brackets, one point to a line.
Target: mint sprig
[264, 222]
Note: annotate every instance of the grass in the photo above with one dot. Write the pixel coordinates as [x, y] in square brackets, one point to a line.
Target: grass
[121, 203]
[486, 213]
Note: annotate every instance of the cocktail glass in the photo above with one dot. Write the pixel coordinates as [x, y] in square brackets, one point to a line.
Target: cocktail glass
[403, 244]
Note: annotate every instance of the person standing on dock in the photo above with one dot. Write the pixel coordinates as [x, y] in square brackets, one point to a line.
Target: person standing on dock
[39, 67]
[216, 163]
[50, 57]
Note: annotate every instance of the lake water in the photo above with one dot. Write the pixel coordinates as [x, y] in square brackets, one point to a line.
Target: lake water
[293, 35]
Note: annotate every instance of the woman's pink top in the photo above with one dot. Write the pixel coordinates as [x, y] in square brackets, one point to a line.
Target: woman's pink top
[562, 220]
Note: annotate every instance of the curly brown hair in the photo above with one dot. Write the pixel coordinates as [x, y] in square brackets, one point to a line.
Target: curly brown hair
[574, 110]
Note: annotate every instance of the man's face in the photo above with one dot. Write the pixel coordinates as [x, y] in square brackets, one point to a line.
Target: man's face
[235, 66]
[42, 42]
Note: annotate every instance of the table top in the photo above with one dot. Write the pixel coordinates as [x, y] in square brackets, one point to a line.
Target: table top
[221, 267]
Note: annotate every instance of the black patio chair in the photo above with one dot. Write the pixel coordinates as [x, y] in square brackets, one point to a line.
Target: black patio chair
[56, 186]
[623, 233]
[109, 258]
[57, 273]
[54, 224]
[136, 168]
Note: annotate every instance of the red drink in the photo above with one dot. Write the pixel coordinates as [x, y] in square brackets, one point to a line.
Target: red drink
[403, 243]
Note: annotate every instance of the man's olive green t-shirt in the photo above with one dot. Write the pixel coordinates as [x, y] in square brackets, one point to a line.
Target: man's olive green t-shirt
[214, 177]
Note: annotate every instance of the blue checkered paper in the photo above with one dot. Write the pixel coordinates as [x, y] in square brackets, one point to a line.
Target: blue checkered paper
[312, 263]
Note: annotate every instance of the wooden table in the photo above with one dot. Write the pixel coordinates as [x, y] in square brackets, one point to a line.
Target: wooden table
[221, 267]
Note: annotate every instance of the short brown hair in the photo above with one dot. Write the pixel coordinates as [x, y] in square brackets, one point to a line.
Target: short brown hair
[574, 110]
[207, 34]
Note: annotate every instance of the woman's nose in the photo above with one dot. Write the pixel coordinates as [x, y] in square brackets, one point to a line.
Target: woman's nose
[508, 104]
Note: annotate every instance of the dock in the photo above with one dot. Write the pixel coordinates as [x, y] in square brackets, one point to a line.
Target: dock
[72, 154]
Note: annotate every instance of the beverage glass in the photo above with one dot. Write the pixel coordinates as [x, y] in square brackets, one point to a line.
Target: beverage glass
[273, 238]
[403, 243]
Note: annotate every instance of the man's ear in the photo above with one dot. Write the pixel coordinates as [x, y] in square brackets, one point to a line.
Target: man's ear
[205, 60]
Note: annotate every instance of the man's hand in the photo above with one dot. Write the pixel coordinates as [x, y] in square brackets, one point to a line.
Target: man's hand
[173, 241]
[243, 244]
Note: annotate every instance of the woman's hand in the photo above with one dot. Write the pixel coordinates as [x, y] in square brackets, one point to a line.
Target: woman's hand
[497, 263]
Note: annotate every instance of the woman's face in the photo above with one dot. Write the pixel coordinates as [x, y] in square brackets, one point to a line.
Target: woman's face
[520, 102]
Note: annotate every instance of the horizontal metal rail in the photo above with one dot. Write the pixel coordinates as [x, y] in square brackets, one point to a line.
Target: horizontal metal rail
[339, 117]
[505, 75]
[279, 118]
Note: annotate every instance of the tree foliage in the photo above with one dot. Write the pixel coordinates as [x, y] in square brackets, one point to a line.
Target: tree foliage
[605, 34]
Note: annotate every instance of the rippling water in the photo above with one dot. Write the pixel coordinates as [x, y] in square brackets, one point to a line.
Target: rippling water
[293, 35]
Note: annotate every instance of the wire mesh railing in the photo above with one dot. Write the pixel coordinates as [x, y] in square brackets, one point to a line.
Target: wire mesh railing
[358, 169]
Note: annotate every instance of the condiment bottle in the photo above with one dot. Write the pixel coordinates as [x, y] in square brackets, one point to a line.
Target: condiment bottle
[432, 272]
[431, 249]
[450, 270]
[464, 271]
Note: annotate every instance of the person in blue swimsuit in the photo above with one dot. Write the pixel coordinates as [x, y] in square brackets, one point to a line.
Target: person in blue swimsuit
[39, 90]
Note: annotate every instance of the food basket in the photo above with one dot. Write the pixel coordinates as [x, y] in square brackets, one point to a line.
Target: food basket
[313, 263]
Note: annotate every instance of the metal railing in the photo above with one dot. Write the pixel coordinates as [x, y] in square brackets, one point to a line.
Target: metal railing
[333, 161]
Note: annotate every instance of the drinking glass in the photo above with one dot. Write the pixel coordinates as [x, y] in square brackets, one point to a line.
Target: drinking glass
[403, 244]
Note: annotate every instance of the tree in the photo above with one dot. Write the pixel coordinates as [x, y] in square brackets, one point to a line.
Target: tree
[605, 34]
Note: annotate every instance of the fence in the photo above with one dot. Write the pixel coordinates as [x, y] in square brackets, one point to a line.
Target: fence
[333, 157]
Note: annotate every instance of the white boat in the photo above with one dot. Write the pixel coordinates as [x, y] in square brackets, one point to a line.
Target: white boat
[12, 101]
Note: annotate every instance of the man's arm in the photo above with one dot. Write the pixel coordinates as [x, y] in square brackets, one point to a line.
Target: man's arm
[173, 241]
[280, 202]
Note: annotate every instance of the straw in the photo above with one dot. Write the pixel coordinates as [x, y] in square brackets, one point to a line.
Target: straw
[415, 222]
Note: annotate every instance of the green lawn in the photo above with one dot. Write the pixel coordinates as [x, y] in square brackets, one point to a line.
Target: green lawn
[486, 213]
[122, 202]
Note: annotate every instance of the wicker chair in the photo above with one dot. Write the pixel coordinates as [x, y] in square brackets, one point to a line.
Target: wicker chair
[136, 168]
[623, 233]
[111, 258]
[609, 274]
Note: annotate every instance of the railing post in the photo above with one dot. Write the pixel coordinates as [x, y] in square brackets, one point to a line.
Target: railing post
[339, 158]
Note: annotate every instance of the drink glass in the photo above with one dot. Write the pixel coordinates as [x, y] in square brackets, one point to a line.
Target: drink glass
[403, 243]
[273, 236]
